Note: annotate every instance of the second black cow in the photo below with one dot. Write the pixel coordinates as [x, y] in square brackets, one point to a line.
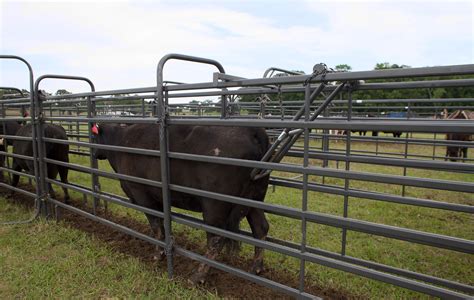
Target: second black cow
[54, 151]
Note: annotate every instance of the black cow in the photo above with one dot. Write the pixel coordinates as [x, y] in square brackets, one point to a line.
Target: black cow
[234, 142]
[52, 150]
[11, 128]
[453, 153]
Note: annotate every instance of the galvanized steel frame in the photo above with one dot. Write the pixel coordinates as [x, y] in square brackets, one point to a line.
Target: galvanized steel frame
[224, 83]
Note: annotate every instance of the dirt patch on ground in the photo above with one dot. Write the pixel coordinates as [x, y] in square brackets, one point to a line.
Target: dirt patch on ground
[224, 284]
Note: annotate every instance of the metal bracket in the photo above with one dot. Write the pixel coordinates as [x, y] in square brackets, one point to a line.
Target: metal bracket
[169, 248]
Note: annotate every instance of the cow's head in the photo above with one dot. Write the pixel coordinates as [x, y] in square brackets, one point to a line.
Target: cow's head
[98, 135]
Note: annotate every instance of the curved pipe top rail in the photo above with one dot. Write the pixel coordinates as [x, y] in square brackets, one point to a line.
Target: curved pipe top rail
[359, 75]
[166, 58]
[30, 70]
[66, 77]
[271, 70]
[7, 88]
[32, 117]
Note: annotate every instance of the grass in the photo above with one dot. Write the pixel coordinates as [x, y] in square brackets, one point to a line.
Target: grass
[425, 259]
[51, 260]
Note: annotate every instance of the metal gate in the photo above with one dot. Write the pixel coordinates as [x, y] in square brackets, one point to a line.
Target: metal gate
[304, 146]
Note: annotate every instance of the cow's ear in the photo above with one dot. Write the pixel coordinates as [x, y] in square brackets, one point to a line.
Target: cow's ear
[95, 129]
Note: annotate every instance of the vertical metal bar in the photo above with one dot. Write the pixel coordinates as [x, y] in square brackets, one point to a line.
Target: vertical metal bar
[77, 126]
[164, 161]
[223, 106]
[92, 159]
[434, 137]
[33, 118]
[143, 107]
[5, 146]
[164, 167]
[346, 181]
[406, 151]
[304, 205]
[38, 126]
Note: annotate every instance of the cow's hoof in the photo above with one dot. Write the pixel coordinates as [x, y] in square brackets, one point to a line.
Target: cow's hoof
[197, 279]
[257, 268]
[160, 257]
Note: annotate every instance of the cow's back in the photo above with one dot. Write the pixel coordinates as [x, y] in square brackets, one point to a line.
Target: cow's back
[217, 141]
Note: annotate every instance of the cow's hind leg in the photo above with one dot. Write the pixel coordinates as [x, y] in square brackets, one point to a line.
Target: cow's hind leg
[63, 172]
[464, 154]
[52, 173]
[2, 161]
[15, 177]
[259, 225]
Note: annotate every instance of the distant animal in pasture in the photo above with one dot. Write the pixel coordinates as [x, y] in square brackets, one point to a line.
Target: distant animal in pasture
[232, 142]
[453, 153]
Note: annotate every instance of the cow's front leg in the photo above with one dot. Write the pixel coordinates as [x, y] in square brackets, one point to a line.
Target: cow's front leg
[158, 229]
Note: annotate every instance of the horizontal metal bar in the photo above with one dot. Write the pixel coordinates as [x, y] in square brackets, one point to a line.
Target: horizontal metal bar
[14, 155]
[361, 75]
[104, 173]
[399, 162]
[322, 260]
[31, 176]
[148, 120]
[431, 239]
[16, 137]
[363, 176]
[106, 147]
[245, 275]
[106, 222]
[330, 189]
[18, 190]
[376, 266]
[107, 197]
[404, 126]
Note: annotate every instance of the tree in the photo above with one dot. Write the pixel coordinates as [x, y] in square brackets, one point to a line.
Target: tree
[343, 68]
[62, 92]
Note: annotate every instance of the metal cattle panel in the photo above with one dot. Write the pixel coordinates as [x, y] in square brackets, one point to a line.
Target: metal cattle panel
[38, 195]
[300, 144]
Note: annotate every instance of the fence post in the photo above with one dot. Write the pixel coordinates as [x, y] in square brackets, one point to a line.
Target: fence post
[38, 128]
[347, 167]
[92, 160]
[164, 165]
[304, 204]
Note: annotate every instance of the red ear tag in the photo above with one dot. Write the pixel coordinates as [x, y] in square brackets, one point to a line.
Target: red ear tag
[95, 130]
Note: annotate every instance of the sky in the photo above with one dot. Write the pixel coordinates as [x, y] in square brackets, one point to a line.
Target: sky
[117, 44]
